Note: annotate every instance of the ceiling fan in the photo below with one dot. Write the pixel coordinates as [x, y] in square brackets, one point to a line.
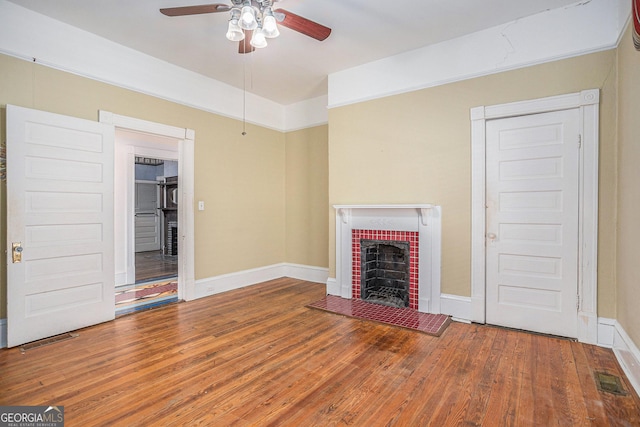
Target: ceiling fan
[253, 21]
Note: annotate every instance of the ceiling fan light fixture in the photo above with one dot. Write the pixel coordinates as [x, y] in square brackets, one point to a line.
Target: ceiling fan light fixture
[234, 33]
[269, 25]
[248, 19]
[258, 39]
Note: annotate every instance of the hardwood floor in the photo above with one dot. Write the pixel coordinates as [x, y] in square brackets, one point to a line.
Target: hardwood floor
[258, 356]
[152, 264]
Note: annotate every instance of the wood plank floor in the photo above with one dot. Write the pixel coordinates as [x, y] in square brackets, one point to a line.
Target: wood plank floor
[258, 356]
[152, 264]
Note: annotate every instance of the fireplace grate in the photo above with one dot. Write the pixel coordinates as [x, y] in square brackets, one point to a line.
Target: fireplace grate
[386, 296]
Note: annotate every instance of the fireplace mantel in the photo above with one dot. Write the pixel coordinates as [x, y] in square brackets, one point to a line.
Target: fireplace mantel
[424, 218]
[344, 211]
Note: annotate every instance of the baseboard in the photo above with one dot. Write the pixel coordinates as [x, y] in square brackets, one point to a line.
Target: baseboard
[606, 332]
[332, 286]
[3, 333]
[628, 356]
[121, 279]
[306, 272]
[241, 279]
[459, 308]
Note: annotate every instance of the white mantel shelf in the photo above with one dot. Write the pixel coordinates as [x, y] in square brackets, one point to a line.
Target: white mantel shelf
[424, 218]
[344, 211]
[418, 206]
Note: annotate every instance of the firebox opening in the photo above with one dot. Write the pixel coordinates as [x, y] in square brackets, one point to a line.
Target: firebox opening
[385, 272]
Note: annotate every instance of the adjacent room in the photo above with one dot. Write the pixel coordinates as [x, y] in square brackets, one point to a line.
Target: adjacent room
[287, 212]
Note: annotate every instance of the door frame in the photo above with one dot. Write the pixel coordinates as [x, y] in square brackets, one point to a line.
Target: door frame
[186, 141]
[587, 102]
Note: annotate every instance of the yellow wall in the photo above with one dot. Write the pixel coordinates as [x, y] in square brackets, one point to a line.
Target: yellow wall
[307, 197]
[415, 148]
[269, 194]
[628, 227]
[241, 179]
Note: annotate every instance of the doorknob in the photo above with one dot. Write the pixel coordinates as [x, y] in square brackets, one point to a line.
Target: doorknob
[491, 236]
[16, 252]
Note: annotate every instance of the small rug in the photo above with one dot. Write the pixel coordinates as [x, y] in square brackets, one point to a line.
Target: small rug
[143, 296]
[431, 324]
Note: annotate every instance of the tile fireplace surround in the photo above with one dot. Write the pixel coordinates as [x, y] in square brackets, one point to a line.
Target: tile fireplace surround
[423, 219]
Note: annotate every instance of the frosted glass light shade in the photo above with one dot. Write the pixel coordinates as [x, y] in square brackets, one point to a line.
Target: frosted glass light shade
[257, 40]
[234, 33]
[248, 18]
[269, 27]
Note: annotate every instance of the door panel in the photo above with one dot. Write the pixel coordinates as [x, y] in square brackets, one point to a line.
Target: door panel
[147, 221]
[60, 212]
[532, 222]
[147, 229]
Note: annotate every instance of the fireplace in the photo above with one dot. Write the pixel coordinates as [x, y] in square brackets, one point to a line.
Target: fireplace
[385, 272]
[408, 240]
[395, 229]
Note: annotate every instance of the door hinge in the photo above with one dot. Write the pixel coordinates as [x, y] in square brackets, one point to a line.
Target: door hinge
[579, 140]
[578, 302]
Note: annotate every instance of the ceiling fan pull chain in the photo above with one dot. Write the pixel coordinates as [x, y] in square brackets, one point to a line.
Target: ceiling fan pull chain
[244, 96]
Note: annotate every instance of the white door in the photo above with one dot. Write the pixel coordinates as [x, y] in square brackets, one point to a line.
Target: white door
[532, 222]
[60, 221]
[147, 220]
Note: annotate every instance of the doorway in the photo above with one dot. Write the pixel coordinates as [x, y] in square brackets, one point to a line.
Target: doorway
[156, 234]
[483, 262]
[152, 170]
[156, 219]
[174, 147]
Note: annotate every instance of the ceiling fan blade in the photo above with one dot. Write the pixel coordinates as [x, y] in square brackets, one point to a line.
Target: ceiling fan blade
[244, 45]
[195, 10]
[304, 25]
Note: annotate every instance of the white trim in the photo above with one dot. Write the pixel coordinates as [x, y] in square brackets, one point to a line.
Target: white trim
[333, 288]
[590, 26]
[31, 36]
[565, 32]
[3, 333]
[186, 141]
[588, 103]
[236, 280]
[306, 114]
[459, 308]
[240, 279]
[306, 272]
[34, 37]
[606, 331]
[628, 356]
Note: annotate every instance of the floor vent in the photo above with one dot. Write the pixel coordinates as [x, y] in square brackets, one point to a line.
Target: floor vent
[609, 383]
[47, 341]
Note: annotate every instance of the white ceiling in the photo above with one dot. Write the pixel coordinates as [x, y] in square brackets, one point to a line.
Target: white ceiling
[293, 67]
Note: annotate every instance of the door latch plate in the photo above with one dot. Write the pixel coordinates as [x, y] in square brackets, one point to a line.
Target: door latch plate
[16, 252]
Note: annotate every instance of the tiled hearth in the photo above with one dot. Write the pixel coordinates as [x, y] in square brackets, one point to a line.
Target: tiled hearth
[419, 224]
[432, 324]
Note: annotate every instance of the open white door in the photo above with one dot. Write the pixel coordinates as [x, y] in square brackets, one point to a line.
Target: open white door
[60, 264]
